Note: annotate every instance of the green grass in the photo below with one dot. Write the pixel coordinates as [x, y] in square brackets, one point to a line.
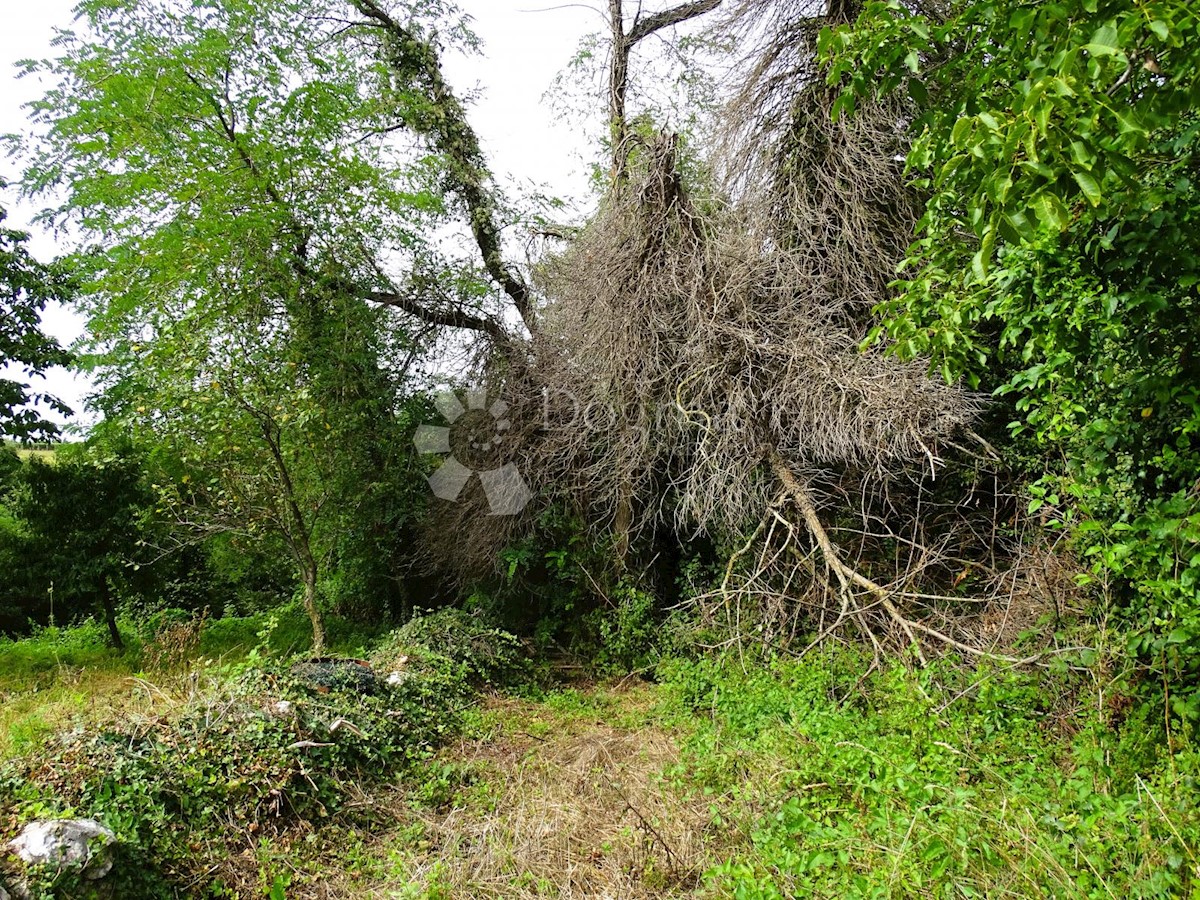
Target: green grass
[36, 452]
[824, 777]
[285, 631]
[943, 783]
[61, 677]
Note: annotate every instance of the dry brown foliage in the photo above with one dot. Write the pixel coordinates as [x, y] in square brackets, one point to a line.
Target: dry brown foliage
[175, 642]
[698, 368]
[689, 341]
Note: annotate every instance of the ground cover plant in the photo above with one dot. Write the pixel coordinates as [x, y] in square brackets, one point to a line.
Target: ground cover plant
[810, 512]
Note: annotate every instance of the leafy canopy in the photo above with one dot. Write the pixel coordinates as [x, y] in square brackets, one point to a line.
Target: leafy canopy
[26, 286]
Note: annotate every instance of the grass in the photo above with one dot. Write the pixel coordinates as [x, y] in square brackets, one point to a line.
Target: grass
[60, 675]
[949, 782]
[750, 779]
[779, 779]
[46, 456]
[559, 796]
[44, 453]
[63, 677]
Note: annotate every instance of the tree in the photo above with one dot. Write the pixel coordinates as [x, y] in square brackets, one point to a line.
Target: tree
[278, 434]
[624, 36]
[26, 286]
[1058, 260]
[262, 245]
[84, 520]
[266, 187]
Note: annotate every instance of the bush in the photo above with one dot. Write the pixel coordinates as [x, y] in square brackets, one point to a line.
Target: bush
[630, 632]
[482, 653]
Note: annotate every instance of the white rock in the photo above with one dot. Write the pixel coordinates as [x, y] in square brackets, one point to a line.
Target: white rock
[82, 844]
[283, 708]
[397, 678]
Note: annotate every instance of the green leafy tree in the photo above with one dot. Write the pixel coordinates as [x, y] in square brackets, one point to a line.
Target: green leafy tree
[84, 521]
[26, 286]
[267, 439]
[1058, 261]
[257, 183]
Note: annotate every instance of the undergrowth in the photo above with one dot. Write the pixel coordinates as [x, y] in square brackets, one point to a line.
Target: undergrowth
[251, 751]
[945, 782]
[827, 776]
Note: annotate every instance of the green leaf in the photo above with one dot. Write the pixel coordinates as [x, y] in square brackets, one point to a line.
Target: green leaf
[1088, 185]
[1104, 41]
[1019, 226]
[1050, 209]
[958, 135]
[843, 105]
[917, 91]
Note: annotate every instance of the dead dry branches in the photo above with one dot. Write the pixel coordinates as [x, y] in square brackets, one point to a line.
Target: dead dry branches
[698, 369]
[681, 340]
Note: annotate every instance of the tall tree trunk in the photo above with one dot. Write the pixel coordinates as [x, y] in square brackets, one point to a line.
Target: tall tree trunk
[618, 85]
[623, 42]
[309, 575]
[110, 614]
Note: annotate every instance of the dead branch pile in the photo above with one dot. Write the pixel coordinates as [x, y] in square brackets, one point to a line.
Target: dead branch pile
[688, 343]
[698, 369]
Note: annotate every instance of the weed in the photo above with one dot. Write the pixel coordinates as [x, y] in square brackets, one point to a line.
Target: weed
[252, 750]
[942, 783]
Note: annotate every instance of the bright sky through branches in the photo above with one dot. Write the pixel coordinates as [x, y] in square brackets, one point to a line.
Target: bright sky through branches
[525, 44]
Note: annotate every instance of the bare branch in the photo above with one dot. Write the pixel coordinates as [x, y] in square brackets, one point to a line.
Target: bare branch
[449, 318]
[414, 59]
[669, 17]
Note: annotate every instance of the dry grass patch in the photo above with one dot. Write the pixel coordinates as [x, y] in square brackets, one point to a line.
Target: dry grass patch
[72, 697]
[556, 804]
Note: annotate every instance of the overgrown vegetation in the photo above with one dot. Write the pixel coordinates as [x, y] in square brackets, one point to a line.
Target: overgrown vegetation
[849, 440]
[976, 782]
[257, 744]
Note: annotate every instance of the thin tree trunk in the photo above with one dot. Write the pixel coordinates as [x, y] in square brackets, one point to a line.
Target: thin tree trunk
[110, 614]
[298, 535]
[618, 85]
[623, 525]
[310, 604]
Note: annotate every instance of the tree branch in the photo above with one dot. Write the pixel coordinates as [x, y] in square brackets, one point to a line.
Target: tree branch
[845, 575]
[668, 17]
[449, 318]
[444, 123]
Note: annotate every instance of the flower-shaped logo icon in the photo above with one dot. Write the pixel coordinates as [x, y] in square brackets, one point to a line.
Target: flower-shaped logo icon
[505, 489]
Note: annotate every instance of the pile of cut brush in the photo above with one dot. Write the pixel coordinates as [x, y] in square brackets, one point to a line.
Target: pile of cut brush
[267, 748]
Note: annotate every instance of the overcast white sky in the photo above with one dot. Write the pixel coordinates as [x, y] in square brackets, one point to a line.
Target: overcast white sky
[526, 43]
